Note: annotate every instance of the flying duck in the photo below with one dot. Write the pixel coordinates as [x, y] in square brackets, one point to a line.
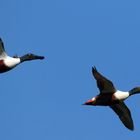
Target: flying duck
[7, 63]
[110, 96]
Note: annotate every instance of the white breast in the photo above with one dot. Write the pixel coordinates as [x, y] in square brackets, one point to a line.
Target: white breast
[11, 62]
[120, 95]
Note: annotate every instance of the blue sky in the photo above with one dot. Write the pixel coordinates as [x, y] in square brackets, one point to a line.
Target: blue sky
[42, 99]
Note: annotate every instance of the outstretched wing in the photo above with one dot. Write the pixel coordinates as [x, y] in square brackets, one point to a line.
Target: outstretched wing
[124, 114]
[104, 85]
[2, 50]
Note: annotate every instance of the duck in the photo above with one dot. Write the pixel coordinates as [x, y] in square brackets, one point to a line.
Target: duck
[7, 63]
[113, 98]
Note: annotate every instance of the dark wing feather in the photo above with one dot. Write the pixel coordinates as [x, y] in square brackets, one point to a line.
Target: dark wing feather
[124, 114]
[2, 50]
[104, 85]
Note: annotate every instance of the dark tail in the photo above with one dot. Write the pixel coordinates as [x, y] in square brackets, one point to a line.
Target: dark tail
[135, 90]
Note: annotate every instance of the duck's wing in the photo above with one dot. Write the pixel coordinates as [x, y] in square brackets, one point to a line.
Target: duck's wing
[2, 50]
[104, 85]
[124, 114]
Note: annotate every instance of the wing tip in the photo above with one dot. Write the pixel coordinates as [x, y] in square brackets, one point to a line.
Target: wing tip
[131, 127]
[94, 69]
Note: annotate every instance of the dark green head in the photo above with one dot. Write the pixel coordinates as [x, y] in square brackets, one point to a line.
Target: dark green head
[30, 56]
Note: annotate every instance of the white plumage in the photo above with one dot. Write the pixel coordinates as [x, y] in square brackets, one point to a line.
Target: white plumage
[121, 95]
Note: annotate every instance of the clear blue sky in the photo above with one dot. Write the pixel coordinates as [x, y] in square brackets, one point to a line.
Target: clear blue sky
[41, 100]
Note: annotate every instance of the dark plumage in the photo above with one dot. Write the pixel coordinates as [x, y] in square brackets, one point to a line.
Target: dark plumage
[113, 98]
[7, 63]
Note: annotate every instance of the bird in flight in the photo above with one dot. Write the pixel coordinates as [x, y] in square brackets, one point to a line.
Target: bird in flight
[110, 96]
[7, 63]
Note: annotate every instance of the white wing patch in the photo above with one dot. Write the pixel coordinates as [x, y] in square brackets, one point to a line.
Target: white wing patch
[2, 50]
[121, 95]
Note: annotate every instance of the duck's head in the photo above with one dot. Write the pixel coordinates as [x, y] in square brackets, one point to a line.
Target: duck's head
[90, 102]
[30, 56]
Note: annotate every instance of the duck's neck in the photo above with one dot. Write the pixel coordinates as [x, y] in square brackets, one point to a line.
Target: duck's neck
[29, 57]
[24, 58]
[135, 90]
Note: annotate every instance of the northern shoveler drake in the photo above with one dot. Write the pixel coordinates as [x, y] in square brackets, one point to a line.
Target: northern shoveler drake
[110, 96]
[7, 63]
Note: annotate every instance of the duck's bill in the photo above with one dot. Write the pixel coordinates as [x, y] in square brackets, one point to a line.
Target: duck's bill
[89, 102]
[33, 56]
[38, 57]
